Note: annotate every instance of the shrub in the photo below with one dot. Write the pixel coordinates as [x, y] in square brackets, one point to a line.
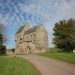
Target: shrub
[13, 50]
[2, 49]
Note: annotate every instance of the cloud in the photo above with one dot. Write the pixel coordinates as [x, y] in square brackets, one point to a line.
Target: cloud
[14, 13]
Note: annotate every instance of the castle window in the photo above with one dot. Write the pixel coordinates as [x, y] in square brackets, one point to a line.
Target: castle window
[31, 36]
[27, 36]
[20, 38]
[34, 41]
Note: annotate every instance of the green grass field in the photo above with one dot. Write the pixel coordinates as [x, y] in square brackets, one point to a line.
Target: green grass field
[16, 66]
[53, 53]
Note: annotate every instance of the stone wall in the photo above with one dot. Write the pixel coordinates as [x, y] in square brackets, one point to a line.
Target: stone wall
[34, 42]
[9, 52]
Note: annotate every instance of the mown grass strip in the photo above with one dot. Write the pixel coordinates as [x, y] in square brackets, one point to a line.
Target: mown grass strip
[16, 66]
[54, 53]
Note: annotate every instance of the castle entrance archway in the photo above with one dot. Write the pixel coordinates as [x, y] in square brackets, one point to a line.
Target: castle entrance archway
[28, 50]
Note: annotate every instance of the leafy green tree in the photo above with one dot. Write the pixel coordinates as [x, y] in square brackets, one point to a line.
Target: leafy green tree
[64, 35]
[2, 39]
[2, 49]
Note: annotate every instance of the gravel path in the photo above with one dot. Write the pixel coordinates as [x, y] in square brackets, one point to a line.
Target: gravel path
[49, 66]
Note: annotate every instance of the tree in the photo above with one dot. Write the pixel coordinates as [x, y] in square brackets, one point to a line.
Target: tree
[2, 39]
[3, 33]
[2, 49]
[64, 35]
[13, 50]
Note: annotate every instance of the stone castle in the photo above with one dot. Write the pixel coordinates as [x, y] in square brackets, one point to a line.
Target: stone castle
[31, 40]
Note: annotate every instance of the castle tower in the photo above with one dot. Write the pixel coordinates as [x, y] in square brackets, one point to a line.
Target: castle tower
[27, 26]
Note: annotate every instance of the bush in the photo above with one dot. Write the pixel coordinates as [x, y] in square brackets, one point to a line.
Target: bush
[13, 50]
[2, 49]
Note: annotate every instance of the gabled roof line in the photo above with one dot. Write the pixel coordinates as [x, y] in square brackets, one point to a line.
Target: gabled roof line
[28, 31]
[20, 29]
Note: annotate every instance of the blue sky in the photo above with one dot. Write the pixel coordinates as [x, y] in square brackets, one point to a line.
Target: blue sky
[14, 13]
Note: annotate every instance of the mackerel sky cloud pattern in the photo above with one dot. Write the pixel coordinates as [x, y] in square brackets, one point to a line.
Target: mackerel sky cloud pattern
[14, 13]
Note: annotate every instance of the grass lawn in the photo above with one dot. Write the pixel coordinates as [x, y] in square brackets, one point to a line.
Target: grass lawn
[53, 53]
[16, 66]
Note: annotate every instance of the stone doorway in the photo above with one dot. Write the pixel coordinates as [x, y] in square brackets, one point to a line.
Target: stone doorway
[28, 50]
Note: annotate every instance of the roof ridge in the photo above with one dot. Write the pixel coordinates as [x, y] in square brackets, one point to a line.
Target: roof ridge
[28, 31]
[20, 29]
[33, 29]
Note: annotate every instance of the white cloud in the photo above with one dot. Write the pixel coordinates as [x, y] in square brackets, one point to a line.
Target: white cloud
[38, 11]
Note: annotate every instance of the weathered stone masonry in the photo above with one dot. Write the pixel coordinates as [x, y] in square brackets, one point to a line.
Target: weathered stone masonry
[31, 40]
